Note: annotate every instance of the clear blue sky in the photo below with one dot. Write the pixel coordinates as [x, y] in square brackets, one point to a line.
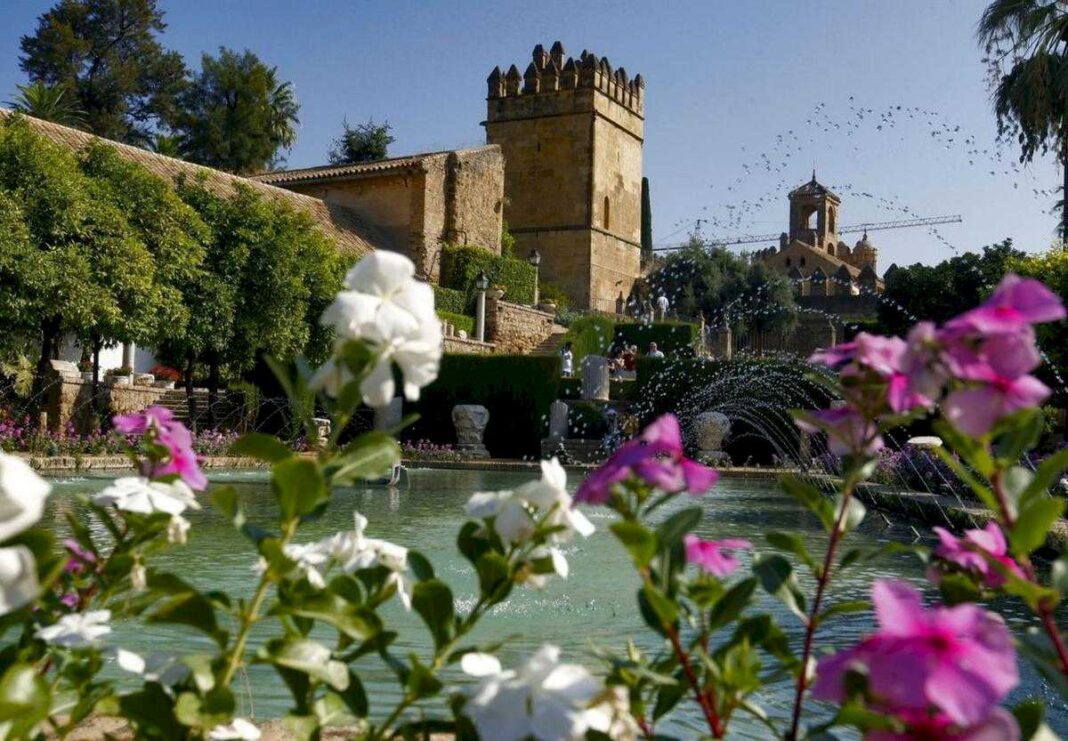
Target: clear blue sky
[742, 98]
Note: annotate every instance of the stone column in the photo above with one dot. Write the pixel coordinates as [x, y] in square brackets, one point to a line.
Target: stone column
[595, 378]
[129, 352]
[558, 420]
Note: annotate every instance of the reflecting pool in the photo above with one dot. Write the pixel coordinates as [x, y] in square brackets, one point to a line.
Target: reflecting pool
[594, 607]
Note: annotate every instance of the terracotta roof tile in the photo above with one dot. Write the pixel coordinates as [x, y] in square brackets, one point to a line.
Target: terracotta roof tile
[332, 172]
[351, 234]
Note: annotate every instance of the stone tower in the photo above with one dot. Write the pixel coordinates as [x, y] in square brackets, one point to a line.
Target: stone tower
[571, 131]
[814, 216]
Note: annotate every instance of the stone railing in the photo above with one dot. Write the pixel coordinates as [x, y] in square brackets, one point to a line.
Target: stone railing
[465, 346]
[514, 328]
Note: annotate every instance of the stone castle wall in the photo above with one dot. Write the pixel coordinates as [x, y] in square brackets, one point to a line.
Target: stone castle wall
[517, 329]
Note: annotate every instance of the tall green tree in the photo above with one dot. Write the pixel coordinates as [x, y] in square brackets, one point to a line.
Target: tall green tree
[723, 286]
[49, 102]
[1051, 268]
[107, 54]
[1027, 49]
[940, 292]
[366, 142]
[236, 115]
[81, 268]
[647, 221]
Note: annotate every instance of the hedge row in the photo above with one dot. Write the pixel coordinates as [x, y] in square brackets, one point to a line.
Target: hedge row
[460, 321]
[516, 389]
[597, 335]
[460, 265]
[448, 299]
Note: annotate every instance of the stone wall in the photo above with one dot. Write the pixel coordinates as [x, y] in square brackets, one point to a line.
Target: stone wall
[517, 329]
[71, 400]
[464, 346]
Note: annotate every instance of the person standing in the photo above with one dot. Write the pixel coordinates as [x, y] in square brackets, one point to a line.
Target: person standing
[654, 351]
[567, 356]
[662, 304]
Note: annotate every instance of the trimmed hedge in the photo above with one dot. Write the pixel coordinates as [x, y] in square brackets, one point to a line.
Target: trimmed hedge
[516, 389]
[448, 299]
[590, 335]
[571, 388]
[672, 338]
[460, 321]
[460, 265]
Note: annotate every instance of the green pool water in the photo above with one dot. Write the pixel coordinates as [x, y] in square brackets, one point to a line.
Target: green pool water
[594, 607]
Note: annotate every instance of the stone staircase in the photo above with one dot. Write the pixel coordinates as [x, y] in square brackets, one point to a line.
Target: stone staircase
[551, 345]
[175, 400]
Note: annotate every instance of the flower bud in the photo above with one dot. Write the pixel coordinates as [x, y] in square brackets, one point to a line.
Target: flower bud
[178, 530]
[138, 577]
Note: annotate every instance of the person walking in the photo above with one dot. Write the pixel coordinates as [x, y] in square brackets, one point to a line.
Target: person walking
[654, 351]
[567, 356]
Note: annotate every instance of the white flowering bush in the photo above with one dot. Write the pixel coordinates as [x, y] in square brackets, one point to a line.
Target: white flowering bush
[316, 605]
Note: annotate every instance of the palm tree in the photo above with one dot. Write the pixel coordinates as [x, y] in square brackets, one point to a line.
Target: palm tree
[1027, 50]
[284, 109]
[49, 102]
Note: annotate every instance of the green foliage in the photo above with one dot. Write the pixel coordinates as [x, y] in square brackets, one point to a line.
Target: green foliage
[106, 55]
[551, 293]
[590, 335]
[48, 102]
[366, 142]
[460, 321]
[507, 241]
[1052, 269]
[585, 420]
[672, 338]
[940, 292]
[516, 389]
[460, 265]
[448, 299]
[647, 220]
[236, 115]
[710, 281]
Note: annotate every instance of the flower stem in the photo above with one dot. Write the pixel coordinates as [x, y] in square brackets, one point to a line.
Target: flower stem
[822, 581]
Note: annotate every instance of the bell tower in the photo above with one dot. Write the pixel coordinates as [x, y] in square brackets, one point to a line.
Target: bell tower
[814, 216]
[571, 132]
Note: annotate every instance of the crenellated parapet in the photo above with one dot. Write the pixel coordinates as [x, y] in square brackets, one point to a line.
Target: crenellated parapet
[552, 72]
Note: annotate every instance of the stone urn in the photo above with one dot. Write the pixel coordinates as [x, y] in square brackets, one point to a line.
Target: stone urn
[495, 293]
[595, 378]
[470, 421]
[712, 429]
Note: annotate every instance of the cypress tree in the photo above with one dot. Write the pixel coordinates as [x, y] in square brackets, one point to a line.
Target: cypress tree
[647, 220]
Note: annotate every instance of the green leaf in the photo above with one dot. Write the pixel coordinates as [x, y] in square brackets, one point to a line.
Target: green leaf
[664, 610]
[1045, 475]
[421, 680]
[1059, 574]
[494, 575]
[432, 599]
[1016, 434]
[192, 609]
[842, 608]
[1029, 716]
[636, 538]
[261, 447]
[355, 621]
[671, 531]
[1014, 482]
[354, 696]
[777, 578]
[308, 657]
[1034, 523]
[24, 699]
[420, 566]
[792, 543]
[957, 588]
[981, 490]
[728, 607]
[300, 487]
[370, 456]
[667, 697]
[854, 515]
[811, 498]
[971, 450]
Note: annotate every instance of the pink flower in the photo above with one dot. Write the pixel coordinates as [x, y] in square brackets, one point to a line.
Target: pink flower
[847, 430]
[79, 559]
[1016, 302]
[656, 458]
[138, 423]
[968, 552]
[172, 435]
[975, 410]
[714, 556]
[960, 660]
[881, 355]
[1000, 725]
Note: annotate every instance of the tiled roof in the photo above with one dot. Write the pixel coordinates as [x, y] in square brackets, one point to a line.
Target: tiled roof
[813, 188]
[334, 172]
[351, 234]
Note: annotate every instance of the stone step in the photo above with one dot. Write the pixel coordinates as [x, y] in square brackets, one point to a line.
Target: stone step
[551, 345]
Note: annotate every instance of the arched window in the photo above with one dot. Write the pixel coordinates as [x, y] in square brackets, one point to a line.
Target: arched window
[607, 213]
[831, 228]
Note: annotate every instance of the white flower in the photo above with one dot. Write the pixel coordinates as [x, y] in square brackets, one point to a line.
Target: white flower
[77, 629]
[160, 667]
[308, 557]
[18, 578]
[550, 493]
[239, 729]
[613, 718]
[22, 496]
[138, 577]
[388, 308]
[138, 494]
[178, 530]
[544, 698]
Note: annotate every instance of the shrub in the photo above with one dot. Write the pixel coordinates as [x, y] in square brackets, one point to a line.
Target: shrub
[590, 335]
[673, 338]
[553, 294]
[586, 421]
[448, 299]
[516, 389]
[460, 265]
[460, 321]
[165, 373]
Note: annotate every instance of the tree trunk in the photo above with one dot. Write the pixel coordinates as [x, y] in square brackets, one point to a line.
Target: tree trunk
[38, 392]
[191, 400]
[213, 391]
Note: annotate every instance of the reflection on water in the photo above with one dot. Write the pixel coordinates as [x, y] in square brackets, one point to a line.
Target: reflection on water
[594, 607]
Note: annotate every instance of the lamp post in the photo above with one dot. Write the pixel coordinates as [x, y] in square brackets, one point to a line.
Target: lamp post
[481, 283]
[535, 260]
